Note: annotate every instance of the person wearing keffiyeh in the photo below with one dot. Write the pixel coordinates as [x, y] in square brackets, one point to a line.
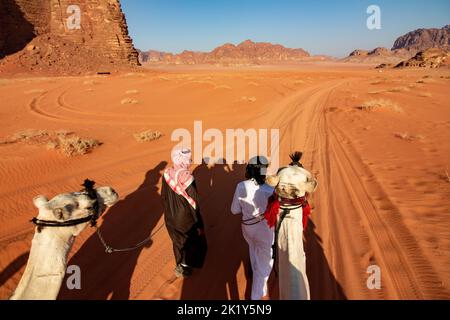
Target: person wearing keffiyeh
[182, 216]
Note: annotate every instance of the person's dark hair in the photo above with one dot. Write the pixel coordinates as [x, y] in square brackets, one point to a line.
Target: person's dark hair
[256, 169]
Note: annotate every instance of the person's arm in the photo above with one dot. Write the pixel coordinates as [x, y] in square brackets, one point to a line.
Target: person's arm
[235, 205]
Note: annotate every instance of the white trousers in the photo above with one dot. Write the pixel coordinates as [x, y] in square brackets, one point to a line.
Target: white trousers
[260, 240]
[293, 281]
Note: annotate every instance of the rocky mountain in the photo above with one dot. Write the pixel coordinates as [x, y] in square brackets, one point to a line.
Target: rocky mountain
[246, 53]
[429, 58]
[422, 39]
[405, 49]
[378, 56]
[58, 37]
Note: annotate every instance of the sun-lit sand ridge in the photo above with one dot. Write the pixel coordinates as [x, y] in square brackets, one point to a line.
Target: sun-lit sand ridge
[377, 141]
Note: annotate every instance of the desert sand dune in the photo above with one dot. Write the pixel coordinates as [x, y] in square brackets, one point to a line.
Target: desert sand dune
[382, 197]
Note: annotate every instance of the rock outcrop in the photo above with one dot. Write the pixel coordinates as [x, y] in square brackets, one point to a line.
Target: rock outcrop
[246, 53]
[422, 39]
[405, 48]
[378, 56]
[430, 58]
[56, 36]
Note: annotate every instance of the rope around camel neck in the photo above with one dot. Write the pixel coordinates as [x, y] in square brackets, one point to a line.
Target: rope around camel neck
[109, 249]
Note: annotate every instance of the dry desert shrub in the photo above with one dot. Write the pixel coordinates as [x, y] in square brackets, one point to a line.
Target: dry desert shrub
[446, 176]
[376, 104]
[398, 89]
[376, 92]
[148, 135]
[425, 95]
[249, 99]
[29, 134]
[89, 82]
[408, 137]
[74, 145]
[129, 101]
[222, 86]
[63, 140]
[133, 74]
[33, 91]
[4, 82]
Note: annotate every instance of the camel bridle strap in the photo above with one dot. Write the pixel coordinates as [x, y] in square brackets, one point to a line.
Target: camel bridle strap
[92, 217]
[69, 223]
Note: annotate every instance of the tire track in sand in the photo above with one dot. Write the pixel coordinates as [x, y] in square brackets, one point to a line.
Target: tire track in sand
[405, 271]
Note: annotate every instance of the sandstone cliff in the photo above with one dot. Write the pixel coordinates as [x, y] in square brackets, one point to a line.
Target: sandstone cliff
[54, 36]
[422, 39]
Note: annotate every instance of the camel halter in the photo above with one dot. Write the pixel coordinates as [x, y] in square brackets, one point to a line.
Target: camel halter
[92, 217]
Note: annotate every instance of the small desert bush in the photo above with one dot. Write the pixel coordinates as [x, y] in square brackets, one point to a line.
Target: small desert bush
[129, 101]
[379, 104]
[148, 135]
[377, 82]
[62, 140]
[425, 95]
[376, 92]
[446, 176]
[74, 145]
[32, 91]
[249, 99]
[222, 86]
[398, 89]
[29, 134]
[131, 92]
[89, 82]
[408, 137]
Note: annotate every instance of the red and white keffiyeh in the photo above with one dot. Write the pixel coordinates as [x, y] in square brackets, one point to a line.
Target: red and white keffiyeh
[178, 177]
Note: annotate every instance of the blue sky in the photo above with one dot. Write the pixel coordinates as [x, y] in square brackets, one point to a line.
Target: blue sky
[332, 27]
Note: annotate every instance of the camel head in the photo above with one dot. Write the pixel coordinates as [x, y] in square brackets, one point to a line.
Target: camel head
[72, 206]
[293, 181]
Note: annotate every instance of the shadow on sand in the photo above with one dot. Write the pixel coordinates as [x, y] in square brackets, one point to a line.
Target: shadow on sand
[227, 249]
[13, 268]
[322, 283]
[127, 223]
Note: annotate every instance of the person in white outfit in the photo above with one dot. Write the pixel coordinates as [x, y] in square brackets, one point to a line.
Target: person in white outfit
[250, 200]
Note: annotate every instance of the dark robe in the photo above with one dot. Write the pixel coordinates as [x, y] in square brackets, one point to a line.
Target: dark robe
[183, 223]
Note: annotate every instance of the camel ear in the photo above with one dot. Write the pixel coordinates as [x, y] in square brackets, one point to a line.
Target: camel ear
[272, 180]
[311, 186]
[40, 201]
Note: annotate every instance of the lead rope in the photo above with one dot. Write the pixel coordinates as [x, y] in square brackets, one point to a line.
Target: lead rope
[109, 249]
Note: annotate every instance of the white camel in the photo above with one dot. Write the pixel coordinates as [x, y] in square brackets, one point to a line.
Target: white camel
[291, 184]
[51, 245]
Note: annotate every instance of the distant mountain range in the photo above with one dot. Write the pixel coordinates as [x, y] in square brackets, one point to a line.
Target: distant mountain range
[405, 47]
[245, 53]
[253, 53]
